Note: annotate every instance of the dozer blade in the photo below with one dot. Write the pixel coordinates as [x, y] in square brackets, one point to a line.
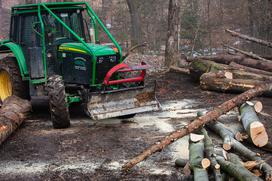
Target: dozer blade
[128, 102]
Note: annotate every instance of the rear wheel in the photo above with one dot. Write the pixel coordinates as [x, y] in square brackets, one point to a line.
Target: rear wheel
[11, 82]
[58, 102]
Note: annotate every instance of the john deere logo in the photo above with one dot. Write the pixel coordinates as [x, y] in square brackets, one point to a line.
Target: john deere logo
[80, 65]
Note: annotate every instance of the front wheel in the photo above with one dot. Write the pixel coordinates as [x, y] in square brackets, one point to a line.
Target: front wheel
[58, 102]
[11, 82]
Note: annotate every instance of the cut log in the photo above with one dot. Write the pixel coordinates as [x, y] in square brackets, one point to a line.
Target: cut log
[215, 82]
[253, 126]
[249, 62]
[196, 137]
[196, 157]
[235, 168]
[181, 162]
[13, 112]
[198, 122]
[243, 151]
[209, 152]
[249, 69]
[199, 67]
[239, 129]
[221, 58]
[249, 54]
[249, 38]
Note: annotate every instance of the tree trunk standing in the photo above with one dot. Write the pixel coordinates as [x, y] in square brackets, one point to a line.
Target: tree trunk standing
[171, 52]
[30, 1]
[136, 29]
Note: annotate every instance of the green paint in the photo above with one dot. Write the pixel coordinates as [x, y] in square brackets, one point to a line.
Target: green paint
[10, 47]
[86, 48]
[98, 50]
[73, 99]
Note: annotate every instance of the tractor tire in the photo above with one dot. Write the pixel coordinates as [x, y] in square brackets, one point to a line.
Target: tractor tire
[58, 103]
[11, 82]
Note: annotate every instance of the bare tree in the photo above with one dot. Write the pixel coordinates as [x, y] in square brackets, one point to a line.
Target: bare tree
[136, 28]
[171, 52]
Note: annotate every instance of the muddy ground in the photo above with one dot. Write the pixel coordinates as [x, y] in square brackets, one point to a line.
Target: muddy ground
[96, 150]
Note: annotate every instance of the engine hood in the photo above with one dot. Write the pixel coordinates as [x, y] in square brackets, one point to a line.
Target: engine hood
[98, 50]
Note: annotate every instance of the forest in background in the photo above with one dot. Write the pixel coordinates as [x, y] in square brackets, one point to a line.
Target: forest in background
[200, 26]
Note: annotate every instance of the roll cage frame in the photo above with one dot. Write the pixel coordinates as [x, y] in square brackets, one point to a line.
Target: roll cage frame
[49, 8]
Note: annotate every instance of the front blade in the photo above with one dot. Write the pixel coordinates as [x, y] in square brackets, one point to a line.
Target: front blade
[123, 103]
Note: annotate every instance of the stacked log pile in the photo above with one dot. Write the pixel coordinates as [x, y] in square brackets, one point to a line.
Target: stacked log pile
[231, 72]
[231, 159]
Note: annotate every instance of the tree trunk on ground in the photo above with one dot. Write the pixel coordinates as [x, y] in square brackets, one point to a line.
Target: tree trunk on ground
[217, 82]
[12, 113]
[240, 173]
[249, 69]
[198, 122]
[136, 28]
[172, 54]
[253, 126]
[249, 62]
[241, 149]
[249, 54]
[209, 152]
[196, 156]
[199, 67]
[249, 38]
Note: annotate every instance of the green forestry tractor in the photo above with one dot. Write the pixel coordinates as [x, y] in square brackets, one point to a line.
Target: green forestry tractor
[54, 53]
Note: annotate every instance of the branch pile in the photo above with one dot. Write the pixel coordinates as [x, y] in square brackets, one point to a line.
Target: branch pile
[205, 160]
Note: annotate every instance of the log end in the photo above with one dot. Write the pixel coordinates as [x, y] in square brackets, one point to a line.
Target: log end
[258, 106]
[226, 146]
[205, 163]
[258, 134]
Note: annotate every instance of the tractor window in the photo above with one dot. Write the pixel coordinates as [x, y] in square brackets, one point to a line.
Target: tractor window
[56, 31]
[28, 36]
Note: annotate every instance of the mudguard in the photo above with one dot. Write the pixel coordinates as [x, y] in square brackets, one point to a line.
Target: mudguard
[10, 47]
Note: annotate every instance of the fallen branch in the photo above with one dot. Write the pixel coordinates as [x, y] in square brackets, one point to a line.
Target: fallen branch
[246, 37]
[198, 122]
[249, 69]
[250, 54]
[13, 112]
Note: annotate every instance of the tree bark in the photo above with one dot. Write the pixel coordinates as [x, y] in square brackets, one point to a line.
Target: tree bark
[172, 54]
[249, 62]
[198, 122]
[12, 113]
[242, 150]
[249, 54]
[209, 152]
[249, 38]
[196, 156]
[136, 28]
[238, 172]
[249, 69]
[199, 67]
[253, 126]
[217, 82]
